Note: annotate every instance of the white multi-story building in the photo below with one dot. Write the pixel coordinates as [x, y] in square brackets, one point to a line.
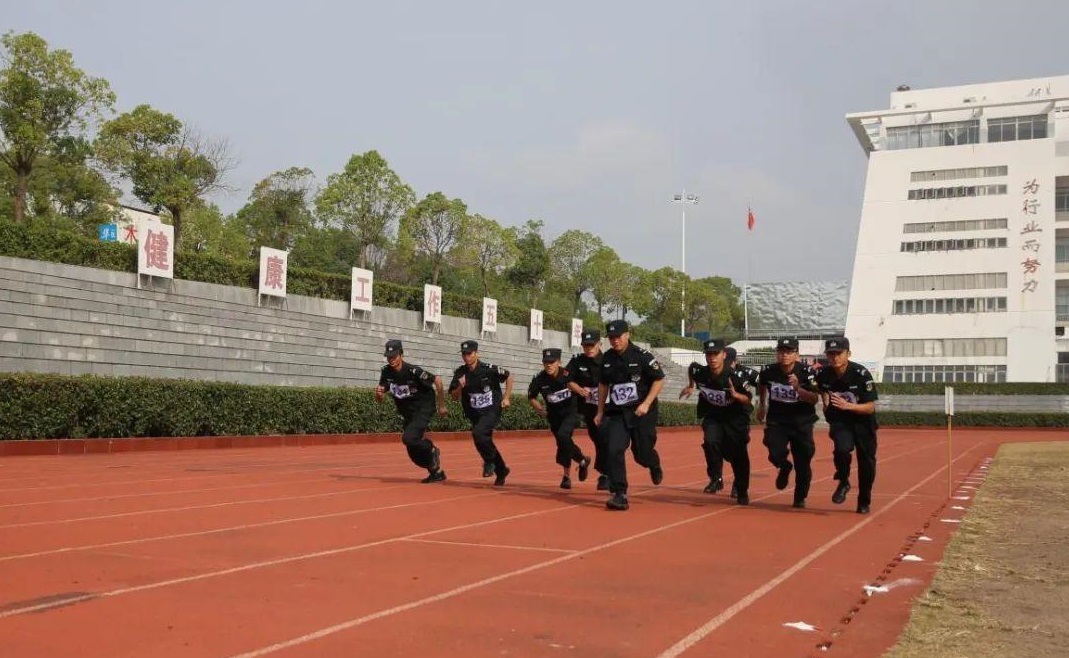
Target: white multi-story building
[962, 265]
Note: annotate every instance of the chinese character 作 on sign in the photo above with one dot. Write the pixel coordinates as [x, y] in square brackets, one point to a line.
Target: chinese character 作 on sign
[432, 304]
[1031, 231]
[273, 265]
[155, 250]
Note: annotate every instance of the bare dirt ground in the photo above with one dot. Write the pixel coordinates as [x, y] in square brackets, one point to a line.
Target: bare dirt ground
[1003, 586]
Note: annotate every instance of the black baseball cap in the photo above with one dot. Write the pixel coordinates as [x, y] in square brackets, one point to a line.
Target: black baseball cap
[469, 346]
[616, 328]
[836, 345]
[393, 348]
[714, 346]
[591, 337]
[550, 354]
[730, 354]
[787, 345]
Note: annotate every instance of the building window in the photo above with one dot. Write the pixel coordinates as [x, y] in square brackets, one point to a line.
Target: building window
[974, 373]
[957, 192]
[958, 225]
[957, 174]
[962, 244]
[944, 347]
[935, 134]
[1061, 200]
[1061, 303]
[1017, 128]
[974, 281]
[1061, 250]
[949, 306]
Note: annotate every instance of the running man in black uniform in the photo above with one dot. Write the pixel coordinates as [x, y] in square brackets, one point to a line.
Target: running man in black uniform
[584, 374]
[849, 396]
[478, 387]
[414, 391]
[788, 399]
[749, 377]
[561, 410]
[724, 409]
[631, 379]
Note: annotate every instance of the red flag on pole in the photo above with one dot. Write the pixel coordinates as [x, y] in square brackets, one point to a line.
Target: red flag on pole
[749, 219]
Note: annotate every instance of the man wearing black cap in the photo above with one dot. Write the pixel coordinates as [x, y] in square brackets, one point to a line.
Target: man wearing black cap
[414, 391]
[789, 395]
[724, 409]
[584, 375]
[749, 376]
[478, 387]
[631, 379]
[561, 410]
[849, 396]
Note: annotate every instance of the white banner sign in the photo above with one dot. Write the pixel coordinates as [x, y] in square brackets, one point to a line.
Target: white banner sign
[432, 304]
[155, 249]
[489, 315]
[577, 332]
[360, 299]
[536, 324]
[948, 400]
[273, 266]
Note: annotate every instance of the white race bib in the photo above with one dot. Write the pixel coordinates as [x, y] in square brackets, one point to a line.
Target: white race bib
[559, 396]
[592, 395]
[400, 391]
[481, 400]
[714, 397]
[846, 395]
[624, 393]
[782, 393]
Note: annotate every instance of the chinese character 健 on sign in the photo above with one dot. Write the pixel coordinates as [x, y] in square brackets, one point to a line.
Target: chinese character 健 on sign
[156, 250]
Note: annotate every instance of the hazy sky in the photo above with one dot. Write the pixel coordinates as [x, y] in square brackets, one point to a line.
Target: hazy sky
[586, 114]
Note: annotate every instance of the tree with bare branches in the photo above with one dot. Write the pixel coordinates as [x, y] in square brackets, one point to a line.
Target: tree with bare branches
[171, 166]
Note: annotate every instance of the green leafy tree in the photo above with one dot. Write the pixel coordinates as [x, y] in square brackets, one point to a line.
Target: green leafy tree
[531, 269]
[570, 255]
[170, 166]
[46, 102]
[367, 198]
[435, 225]
[492, 248]
[208, 231]
[278, 213]
[605, 272]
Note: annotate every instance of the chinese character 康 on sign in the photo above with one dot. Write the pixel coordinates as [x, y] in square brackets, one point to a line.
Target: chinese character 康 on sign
[274, 272]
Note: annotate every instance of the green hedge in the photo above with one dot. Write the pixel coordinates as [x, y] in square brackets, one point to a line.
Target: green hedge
[36, 406]
[46, 243]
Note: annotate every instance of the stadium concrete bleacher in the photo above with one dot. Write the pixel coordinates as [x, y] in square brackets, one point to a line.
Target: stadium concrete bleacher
[65, 319]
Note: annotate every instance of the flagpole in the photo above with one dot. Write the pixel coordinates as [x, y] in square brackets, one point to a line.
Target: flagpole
[749, 275]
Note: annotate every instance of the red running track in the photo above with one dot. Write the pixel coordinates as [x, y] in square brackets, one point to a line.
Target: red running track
[339, 551]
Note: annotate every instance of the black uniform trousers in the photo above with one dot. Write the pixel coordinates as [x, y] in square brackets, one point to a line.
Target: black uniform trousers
[622, 429]
[563, 427]
[482, 432]
[728, 439]
[420, 448]
[792, 439]
[601, 452]
[847, 437]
